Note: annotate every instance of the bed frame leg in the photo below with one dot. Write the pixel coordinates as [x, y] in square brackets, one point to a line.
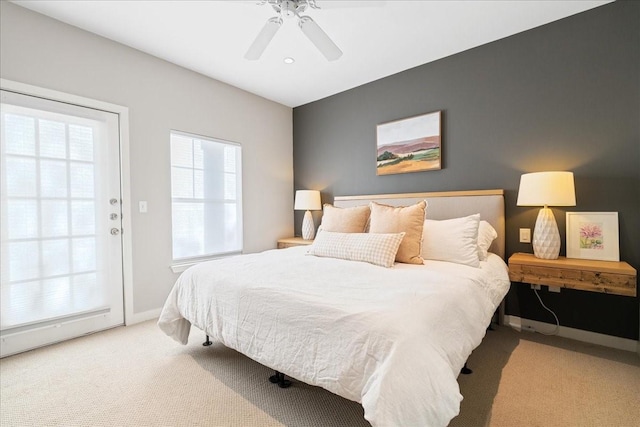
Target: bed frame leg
[465, 370]
[208, 342]
[278, 378]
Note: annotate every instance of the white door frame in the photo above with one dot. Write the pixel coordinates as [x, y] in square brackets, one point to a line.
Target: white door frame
[125, 175]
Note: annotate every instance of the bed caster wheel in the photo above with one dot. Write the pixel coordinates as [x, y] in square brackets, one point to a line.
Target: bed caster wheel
[284, 383]
[208, 342]
[465, 370]
[278, 378]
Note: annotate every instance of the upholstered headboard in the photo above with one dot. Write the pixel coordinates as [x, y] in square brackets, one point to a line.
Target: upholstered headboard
[445, 205]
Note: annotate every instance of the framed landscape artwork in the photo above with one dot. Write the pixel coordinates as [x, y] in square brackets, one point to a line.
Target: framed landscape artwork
[409, 145]
[593, 235]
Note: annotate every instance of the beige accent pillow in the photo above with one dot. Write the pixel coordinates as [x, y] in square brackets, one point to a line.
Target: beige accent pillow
[407, 219]
[377, 249]
[345, 220]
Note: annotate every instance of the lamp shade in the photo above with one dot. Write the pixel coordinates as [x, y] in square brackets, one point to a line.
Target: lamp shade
[307, 200]
[547, 189]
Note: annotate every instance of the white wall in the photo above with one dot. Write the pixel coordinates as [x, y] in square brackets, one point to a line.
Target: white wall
[40, 51]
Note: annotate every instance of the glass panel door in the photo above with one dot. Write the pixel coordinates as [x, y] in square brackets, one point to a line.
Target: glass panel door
[61, 249]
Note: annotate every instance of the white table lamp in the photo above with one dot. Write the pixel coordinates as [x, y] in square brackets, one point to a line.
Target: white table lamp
[546, 189]
[307, 200]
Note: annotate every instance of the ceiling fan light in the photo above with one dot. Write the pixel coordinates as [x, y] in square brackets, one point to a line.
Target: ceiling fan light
[263, 39]
[319, 38]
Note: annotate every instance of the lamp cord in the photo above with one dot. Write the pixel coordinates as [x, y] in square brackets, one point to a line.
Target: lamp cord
[557, 329]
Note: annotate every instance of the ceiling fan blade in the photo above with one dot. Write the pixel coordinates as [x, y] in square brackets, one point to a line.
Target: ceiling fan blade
[319, 38]
[264, 37]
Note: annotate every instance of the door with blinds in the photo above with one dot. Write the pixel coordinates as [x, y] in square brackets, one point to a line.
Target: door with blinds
[61, 245]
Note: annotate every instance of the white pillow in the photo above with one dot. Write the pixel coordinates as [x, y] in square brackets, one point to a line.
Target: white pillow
[486, 235]
[453, 240]
[379, 248]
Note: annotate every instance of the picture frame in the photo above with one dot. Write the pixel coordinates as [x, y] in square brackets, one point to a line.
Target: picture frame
[593, 235]
[413, 144]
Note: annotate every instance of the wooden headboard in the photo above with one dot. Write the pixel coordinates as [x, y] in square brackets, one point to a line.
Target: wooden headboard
[445, 205]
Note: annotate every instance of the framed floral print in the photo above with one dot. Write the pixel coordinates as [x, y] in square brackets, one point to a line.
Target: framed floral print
[593, 235]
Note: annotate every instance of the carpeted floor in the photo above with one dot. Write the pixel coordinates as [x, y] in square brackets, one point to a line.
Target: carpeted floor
[136, 376]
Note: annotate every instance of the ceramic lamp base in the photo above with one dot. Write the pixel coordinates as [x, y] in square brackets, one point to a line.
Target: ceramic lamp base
[308, 228]
[546, 238]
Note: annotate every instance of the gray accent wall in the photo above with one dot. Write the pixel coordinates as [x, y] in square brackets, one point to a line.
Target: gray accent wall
[564, 96]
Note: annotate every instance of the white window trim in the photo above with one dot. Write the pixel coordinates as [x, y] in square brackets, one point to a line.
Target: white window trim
[180, 265]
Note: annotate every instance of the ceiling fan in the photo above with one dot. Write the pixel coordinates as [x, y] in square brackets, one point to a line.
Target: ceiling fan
[288, 9]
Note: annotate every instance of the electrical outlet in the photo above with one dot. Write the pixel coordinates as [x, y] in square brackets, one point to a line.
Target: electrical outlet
[142, 206]
[554, 289]
[536, 287]
[528, 328]
[525, 235]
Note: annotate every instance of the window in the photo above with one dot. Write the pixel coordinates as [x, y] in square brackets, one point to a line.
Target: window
[206, 196]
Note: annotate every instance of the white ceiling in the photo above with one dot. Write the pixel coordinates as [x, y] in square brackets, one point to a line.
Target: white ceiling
[378, 38]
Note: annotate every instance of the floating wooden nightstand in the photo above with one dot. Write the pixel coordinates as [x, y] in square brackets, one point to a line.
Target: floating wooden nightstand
[293, 241]
[608, 277]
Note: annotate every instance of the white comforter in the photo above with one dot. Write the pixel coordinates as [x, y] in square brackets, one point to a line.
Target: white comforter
[393, 339]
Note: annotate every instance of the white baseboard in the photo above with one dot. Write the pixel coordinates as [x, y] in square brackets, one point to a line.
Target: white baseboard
[142, 317]
[576, 334]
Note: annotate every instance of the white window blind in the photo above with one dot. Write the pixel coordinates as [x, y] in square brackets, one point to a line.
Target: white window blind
[48, 257]
[206, 196]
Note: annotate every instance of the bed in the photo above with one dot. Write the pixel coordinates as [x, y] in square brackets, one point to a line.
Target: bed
[394, 339]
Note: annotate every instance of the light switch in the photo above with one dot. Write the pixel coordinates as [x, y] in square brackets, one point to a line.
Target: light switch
[525, 235]
[142, 206]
